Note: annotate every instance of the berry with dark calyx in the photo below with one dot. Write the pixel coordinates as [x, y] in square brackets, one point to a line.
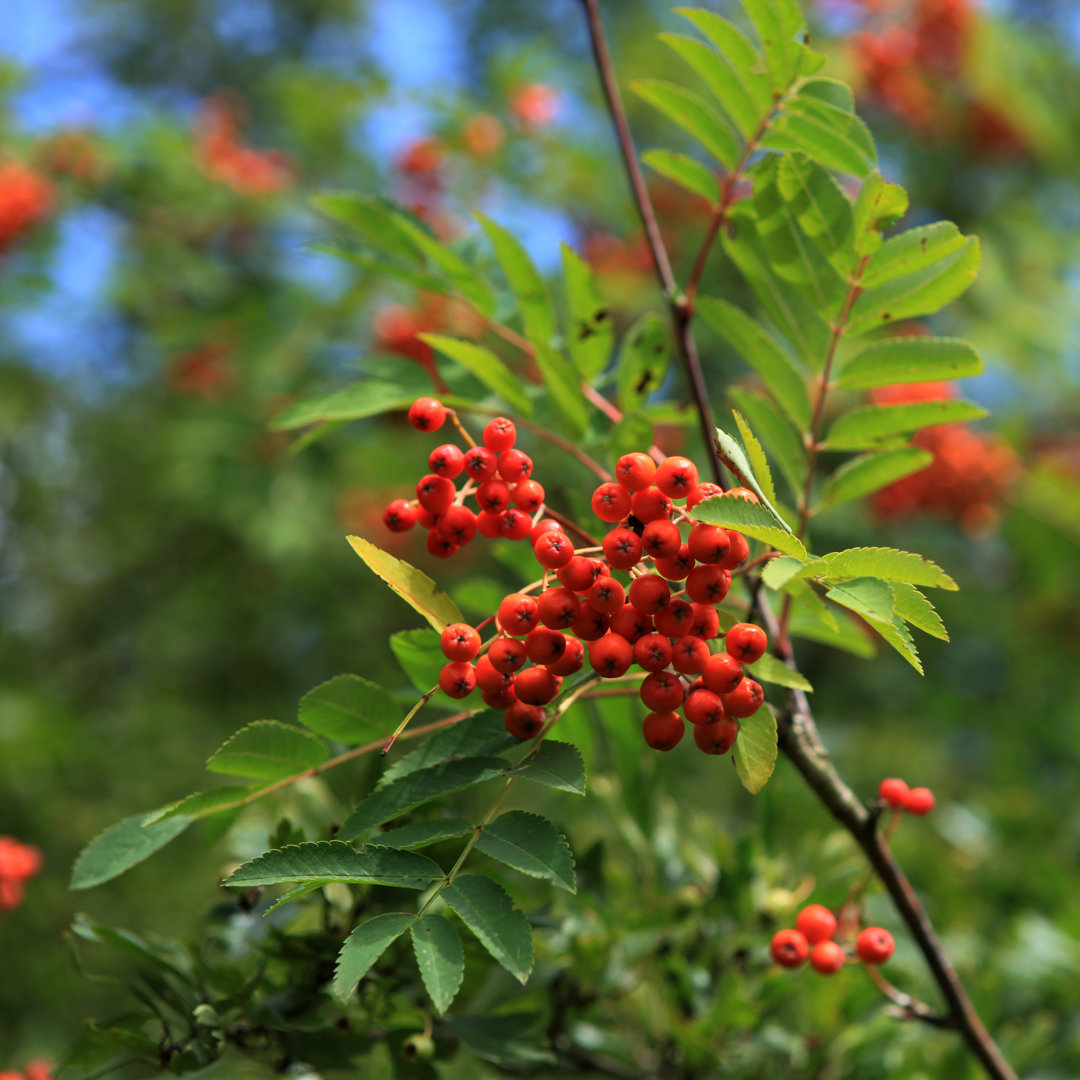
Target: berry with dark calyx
[460, 641]
[741, 493]
[507, 655]
[650, 505]
[919, 801]
[827, 957]
[499, 699]
[708, 543]
[558, 608]
[789, 948]
[515, 466]
[542, 526]
[447, 460]
[400, 516]
[435, 493]
[893, 792]
[544, 645]
[524, 721]
[630, 623]
[572, 659]
[458, 525]
[427, 414]
[535, 686]
[705, 490]
[816, 923]
[489, 525]
[662, 691]
[663, 730]
[610, 656]
[705, 622]
[611, 502]
[457, 679]
[722, 673]
[649, 593]
[661, 539]
[674, 621]
[738, 550]
[514, 524]
[493, 496]
[606, 595]
[480, 463]
[553, 549]
[590, 623]
[707, 584]
[622, 548]
[652, 652]
[635, 471]
[518, 614]
[499, 435]
[579, 573]
[439, 546]
[744, 700]
[689, 654]
[678, 566]
[746, 642]
[874, 945]
[528, 495]
[426, 519]
[676, 477]
[489, 678]
[718, 737]
[703, 707]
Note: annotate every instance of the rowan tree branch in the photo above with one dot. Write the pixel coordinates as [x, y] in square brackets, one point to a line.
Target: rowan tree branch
[798, 734]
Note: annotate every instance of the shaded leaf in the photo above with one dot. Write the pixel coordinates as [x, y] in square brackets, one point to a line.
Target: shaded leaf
[490, 914]
[555, 764]
[268, 750]
[424, 833]
[564, 385]
[513, 1039]
[370, 218]
[122, 846]
[590, 335]
[349, 709]
[643, 361]
[531, 844]
[482, 735]
[631, 433]
[333, 860]
[440, 957]
[525, 281]
[420, 655]
[364, 946]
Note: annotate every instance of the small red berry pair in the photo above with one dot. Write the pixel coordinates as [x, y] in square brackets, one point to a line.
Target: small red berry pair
[896, 794]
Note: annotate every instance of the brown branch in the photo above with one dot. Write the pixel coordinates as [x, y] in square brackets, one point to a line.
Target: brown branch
[798, 735]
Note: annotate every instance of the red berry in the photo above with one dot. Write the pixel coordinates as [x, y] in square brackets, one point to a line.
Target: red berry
[544, 645]
[741, 493]
[535, 686]
[718, 737]
[874, 945]
[744, 700]
[572, 659]
[738, 550]
[677, 477]
[518, 614]
[542, 526]
[705, 490]
[427, 414]
[649, 593]
[447, 460]
[703, 707]
[650, 505]
[493, 699]
[661, 539]
[590, 623]
[499, 435]
[490, 678]
[579, 573]
[652, 652]
[490, 525]
[893, 792]
[610, 656]
[458, 525]
[662, 692]
[678, 566]
[507, 655]
[827, 957]
[558, 608]
[635, 471]
[524, 721]
[606, 595]
[722, 673]
[789, 948]
[622, 548]
[515, 466]
[435, 493]
[630, 623]
[515, 524]
[460, 641]
[480, 463]
[816, 923]
[439, 546]
[457, 679]
[708, 543]
[528, 495]
[919, 801]
[663, 730]
[553, 549]
[493, 496]
[610, 502]
[707, 584]
[400, 516]
[705, 622]
[746, 642]
[674, 621]
[426, 519]
[689, 655]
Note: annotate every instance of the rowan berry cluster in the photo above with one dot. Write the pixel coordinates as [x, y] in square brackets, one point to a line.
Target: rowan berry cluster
[659, 614]
[896, 794]
[813, 938]
[33, 1070]
[18, 863]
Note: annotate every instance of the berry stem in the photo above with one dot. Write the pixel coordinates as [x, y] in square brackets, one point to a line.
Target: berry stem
[910, 1008]
[456, 421]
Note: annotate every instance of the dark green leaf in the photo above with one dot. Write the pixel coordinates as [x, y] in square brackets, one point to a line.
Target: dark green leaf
[869, 472]
[907, 360]
[512, 1040]
[555, 764]
[490, 914]
[424, 833]
[531, 844]
[204, 803]
[754, 752]
[474, 736]
[349, 709]
[122, 846]
[364, 946]
[440, 957]
[268, 750]
[643, 361]
[486, 366]
[693, 114]
[332, 860]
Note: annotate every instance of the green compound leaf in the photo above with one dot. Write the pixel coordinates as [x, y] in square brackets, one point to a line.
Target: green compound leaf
[374, 220]
[732, 455]
[770, 670]
[203, 803]
[364, 946]
[531, 844]
[751, 519]
[420, 655]
[486, 366]
[867, 473]
[331, 860]
[913, 607]
[834, 137]
[122, 846]
[483, 735]
[908, 360]
[590, 335]
[888, 564]
[778, 572]
[412, 585]
[735, 50]
[643, 361]
[557, 765]
[776, 432]
[525, 281]
[440, 957]
[693, 114]
[685, 171]
[268, 750]
[860, 429]
[424, 833]
[490, 914]
[349, 709]
[754, 752]
[873, 599]
[912, 251]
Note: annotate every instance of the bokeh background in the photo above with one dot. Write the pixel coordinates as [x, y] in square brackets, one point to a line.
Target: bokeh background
[171, 568]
